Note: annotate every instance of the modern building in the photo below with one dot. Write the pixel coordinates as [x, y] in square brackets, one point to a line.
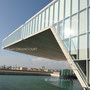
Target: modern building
[60, 31]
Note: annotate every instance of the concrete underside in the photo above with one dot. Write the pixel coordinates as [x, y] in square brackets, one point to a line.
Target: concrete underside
[45, 43]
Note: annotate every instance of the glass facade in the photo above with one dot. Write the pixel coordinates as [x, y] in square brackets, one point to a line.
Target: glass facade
[71, 19]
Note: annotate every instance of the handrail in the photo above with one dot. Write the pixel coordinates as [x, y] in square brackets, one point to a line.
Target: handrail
[82, 73]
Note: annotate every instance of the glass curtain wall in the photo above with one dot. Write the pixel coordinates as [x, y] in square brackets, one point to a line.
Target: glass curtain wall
[72, 29]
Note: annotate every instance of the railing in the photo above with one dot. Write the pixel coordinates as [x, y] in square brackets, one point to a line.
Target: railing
[82, 73]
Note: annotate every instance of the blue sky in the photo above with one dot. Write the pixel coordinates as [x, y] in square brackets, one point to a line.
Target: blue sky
[14, 13]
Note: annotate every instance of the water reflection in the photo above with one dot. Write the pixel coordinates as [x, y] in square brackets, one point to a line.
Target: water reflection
[65, 84]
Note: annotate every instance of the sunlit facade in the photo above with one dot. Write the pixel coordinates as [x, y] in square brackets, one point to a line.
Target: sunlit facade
[70, 19]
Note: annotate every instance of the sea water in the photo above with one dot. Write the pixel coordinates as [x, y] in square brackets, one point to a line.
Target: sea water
[12, 82]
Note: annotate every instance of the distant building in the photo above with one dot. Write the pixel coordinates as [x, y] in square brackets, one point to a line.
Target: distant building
[21, 68]
[46, 70]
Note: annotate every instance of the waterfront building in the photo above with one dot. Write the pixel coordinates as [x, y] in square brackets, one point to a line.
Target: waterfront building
[60, 31]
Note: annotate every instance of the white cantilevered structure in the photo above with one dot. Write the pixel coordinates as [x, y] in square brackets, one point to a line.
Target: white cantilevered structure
[60, 31]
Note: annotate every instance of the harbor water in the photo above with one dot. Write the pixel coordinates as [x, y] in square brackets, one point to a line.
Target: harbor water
[8, 82]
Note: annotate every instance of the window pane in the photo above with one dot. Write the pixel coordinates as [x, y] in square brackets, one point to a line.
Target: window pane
[33, 26]
[67, 31]
[22, 33]
[36, 24]
[74, 25]
[39, 23]
[60, 31]
[51, 15]
[66, 44]
[61, 10]
[26, 29]
[74, 47]
[83, 4]
[89, 19]
[29, 27]
[82, 47]
[83, 22]
[56, 28]
[74, 6]
[43, 19]
[47, 14]
[67, 12]
[89, 45]
[56, 13]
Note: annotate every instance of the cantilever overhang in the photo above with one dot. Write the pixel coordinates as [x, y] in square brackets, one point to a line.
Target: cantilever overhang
[42, 44]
